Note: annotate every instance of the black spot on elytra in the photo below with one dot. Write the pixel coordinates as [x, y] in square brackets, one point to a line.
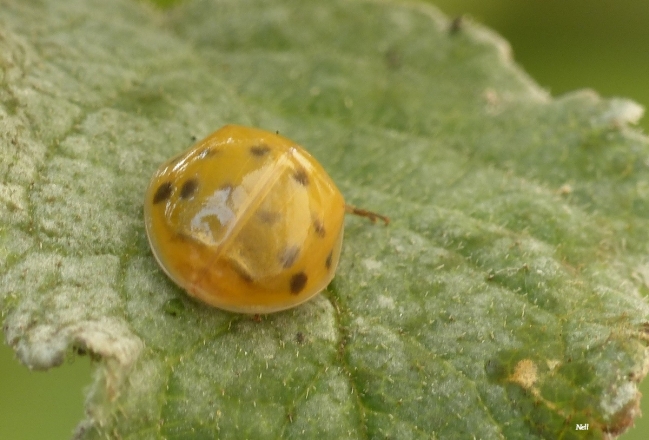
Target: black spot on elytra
[163, 192]
[268, 217]
[298, 281]
[318, 227]
[189, 188]
[259, 150]
[328, 260]
[288, 256]
[301, 177]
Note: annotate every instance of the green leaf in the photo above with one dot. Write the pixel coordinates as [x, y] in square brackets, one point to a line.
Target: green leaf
[505, 299]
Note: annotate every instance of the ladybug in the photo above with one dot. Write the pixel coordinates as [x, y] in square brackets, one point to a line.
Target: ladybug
[247, 221]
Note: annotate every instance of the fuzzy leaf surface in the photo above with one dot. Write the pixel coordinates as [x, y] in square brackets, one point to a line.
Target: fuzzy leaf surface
[505, 300]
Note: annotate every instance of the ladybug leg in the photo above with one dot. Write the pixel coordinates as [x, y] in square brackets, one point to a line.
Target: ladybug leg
[373, 216]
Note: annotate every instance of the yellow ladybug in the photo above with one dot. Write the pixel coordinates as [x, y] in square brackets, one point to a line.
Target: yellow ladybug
[246, 221]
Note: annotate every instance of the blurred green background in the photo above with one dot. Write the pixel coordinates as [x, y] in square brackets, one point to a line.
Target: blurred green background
[564, 46]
